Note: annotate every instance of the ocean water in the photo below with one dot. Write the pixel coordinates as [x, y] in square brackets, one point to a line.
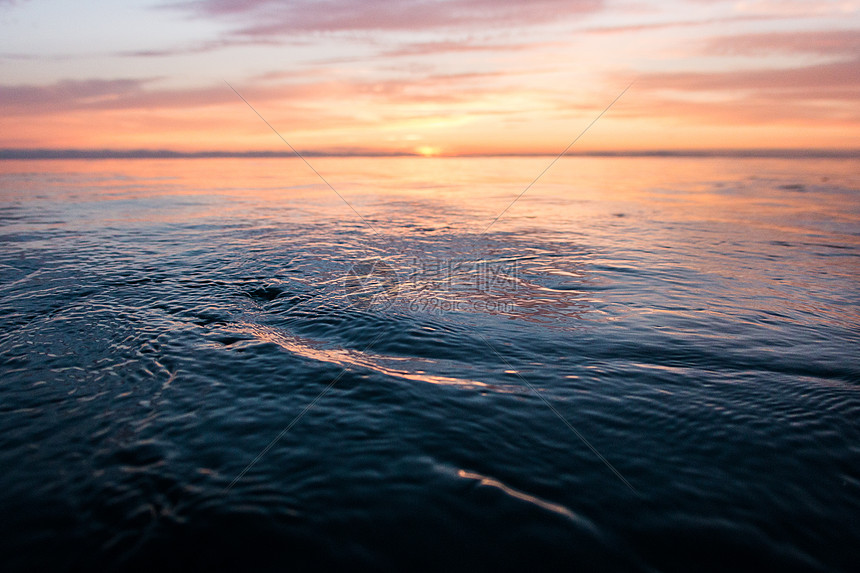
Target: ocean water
[646, 364]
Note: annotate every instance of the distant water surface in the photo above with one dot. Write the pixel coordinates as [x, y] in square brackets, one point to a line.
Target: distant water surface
[646, 364]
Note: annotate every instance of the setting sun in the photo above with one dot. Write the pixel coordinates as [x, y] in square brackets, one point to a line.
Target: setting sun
[427, 151]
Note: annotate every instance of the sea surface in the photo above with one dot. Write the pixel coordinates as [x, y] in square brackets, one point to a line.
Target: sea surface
[645, 364]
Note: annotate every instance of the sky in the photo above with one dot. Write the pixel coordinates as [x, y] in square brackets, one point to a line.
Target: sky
[429, 77]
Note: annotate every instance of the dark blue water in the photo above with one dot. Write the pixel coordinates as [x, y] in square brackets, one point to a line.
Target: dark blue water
[645, 365]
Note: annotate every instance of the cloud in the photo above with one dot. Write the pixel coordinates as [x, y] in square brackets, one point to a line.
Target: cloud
[824, 93]
[452, 46]
[671, 24]
[298, 22]
[138, 113]
[62, 95]
[755, 111]
[208, 46]
[796, 8]
[99, 94]
[839, 79]
[263, 18]
[823, 42]
[434, 90]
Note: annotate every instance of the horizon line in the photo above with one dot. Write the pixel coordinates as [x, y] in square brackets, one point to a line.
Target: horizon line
[73, 153]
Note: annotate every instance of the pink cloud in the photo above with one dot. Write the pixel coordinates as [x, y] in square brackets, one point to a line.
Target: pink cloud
[840, 79]
[66, 94]
[795, 8]
[652, 26]
[827, 42]
[130, 94]
[426, 48]
[97, 94]
[272, 18]
[816, 93]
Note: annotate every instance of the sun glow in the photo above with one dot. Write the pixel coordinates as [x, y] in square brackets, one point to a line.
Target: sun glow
[427, 151]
